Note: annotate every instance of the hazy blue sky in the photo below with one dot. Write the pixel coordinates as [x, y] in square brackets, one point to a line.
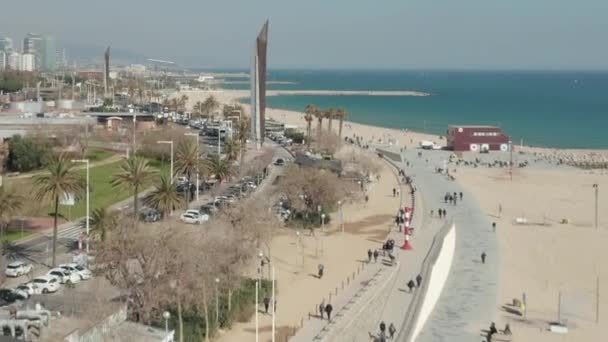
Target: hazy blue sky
[504, 34]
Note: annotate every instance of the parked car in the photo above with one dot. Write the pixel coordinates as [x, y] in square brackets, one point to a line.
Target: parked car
[208, 209]
[64, 276]
[149, 215]
[17, 269]
[46, 284]
[25, 289]
[74, 268]
[194, 217]
[8, 296]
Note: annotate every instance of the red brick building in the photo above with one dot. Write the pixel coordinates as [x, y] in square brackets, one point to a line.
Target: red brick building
[477, 139]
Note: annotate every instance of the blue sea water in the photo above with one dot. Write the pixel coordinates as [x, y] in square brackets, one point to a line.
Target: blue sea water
[551, 109]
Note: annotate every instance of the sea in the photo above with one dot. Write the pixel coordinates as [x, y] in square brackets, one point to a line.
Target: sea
[559, 109]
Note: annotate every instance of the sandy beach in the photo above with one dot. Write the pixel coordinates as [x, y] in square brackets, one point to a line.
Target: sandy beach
[542, 259]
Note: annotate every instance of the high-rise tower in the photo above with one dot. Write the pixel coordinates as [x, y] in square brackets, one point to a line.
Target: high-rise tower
[106, 72]
[258, 87]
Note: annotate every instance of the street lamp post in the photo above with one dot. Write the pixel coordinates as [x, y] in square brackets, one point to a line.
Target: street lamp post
[134, 127]
[217, 302]
[88, 219]
[198, 156]
[166, 316]
[323, 223]
[596, 186]
[171, 143]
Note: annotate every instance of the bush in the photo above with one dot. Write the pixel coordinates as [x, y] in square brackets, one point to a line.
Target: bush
[27, 154]
[297, 137]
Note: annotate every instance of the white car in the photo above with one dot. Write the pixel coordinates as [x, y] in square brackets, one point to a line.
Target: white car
[17, 269]
[25, 290]
[194, 218]
[64, 276]
[74, 268]
[46, 284]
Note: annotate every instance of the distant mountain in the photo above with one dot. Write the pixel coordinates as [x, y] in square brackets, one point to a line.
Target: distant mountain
[85, 54]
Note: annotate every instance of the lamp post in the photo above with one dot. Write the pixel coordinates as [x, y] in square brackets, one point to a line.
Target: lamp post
[341, 216]
[198, 156]
[217, 302]
[166, 316]
[171, 143]
[596, 186]
[323, 222]
[134, 127]
[86, 161]
[257, 321]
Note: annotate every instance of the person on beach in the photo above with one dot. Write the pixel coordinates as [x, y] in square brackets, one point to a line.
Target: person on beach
[321, 269]
[507, 330]
[444, 213]
[392, 330]
[483, 257]
[432, 212]
[328, 309]
[445, 199]
[382, 328]
[266, 304]
[376, 254]
[411, 285]
[494, 227]
[461, 195]
[369, 256]
[394, 192]
[322, 308]
[418, 280]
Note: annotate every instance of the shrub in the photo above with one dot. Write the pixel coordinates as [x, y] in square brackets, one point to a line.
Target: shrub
[27, 154]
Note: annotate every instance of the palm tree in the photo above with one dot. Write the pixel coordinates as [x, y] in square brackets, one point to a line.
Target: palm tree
[187, 161]
[101, 221]
[330, 114]
[221, 168]
[134, 173]
[341, 114]
[243, 127]
[198, 109]
[232, 149]
[311, 109]
[59, 179]
[164, 197]
[210, 105]
[319, 114]
[10, 204]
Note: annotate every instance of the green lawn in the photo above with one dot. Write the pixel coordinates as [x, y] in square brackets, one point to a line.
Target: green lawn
[102, 193]
[97, 154]
[13, 235]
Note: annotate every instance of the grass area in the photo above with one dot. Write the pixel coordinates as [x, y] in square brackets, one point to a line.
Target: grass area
[14, 235]
[97, 154]
[102, 193]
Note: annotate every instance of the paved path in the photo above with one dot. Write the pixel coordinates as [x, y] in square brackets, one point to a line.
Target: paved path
[469, 298]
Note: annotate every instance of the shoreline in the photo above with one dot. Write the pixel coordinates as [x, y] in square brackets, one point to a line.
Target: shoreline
[236, 96]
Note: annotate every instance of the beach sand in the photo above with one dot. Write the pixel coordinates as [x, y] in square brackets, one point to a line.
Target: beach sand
[541, 259]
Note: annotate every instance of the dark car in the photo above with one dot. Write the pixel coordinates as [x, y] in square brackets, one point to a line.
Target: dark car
[279, 162]
[8, 296]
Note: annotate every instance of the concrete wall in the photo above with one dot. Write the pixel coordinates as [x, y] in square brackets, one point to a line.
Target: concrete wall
[98, 332]
[396, 157]
[439, 275]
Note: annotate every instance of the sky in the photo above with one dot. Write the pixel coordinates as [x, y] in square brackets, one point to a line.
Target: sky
[366, 34]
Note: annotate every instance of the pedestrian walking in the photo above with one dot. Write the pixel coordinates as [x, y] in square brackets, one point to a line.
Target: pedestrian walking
[392, 330]
[397, 218]
[444, 213]
[410, 285]
[461, 195]
[494, 227]
[382, 328]
[394, 192]
[366, 199]
[483, 257]
[432, 212]
[322, 308]
[321, 269]
[445, 198]
[418, 280]
[266, 304]
[369, 256]
[439, 212]
[275, 304]
[455, 194]
[328, 309]
[376, 254]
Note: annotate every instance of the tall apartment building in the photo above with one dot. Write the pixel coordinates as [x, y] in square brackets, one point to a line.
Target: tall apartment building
[44, 48]
[28, 62]
[6, 44]
[2, 60]
[13, 60]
